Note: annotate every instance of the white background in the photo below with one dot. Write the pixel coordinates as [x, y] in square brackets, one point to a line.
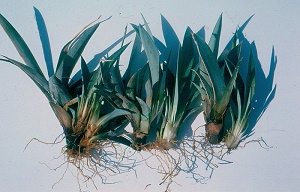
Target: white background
[25, 113]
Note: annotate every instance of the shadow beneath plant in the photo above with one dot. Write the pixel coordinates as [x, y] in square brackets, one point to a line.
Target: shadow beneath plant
[265, 89]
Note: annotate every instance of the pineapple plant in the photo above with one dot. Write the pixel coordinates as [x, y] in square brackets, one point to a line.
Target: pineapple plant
[134, 92]
[163, 85]
[214, 92]
[84, 119]
[180, 95]
[165, 111]
[240, 106]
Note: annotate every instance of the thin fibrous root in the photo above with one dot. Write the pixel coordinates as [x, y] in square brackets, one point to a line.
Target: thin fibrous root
[47, 143]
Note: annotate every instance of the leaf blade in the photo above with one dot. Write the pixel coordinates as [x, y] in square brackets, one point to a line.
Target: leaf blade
[42, 29]
[215, 37]
[38, 79]
[71, 53]
[152, 54]
[20, 45]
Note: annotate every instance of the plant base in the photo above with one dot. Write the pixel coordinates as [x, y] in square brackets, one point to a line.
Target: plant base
[213, 134]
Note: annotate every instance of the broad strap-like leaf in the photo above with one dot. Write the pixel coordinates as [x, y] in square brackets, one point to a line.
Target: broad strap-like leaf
[170, 36]
[250, 80]
[131, 86]
[149, 92]
[202, 91]
[211, 67]
[106, 118]
[172, 44]
[103, 136]
[110, 73]
[86, 76]
[234, 55]
[20, 45]
[175, 99]
[116, 80]
[233, 58]
[71, 53]
[147, 27]
[38, 79]
[136, 29]
[215, 37]
[58, 91]
[145, 108]
[205, 89]
[103, 73]
[187, 55]
[145, 119]
[63, 116]
[152, 54]
[109, 61]
[223, 103]
[119, 101]
[137, 59]
[45, 41]
[96, 79]
[109, 95]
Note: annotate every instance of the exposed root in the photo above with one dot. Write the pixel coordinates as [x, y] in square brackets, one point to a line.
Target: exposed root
[147, 186]
[211, 155]
[100, 160]
[260, 141]
[173, 158]
[194, 156]
[51, 143]
[104, 160]
[165, 161]
[63, 175]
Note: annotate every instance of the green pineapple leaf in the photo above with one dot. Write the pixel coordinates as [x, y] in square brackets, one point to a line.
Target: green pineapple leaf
[58, 91]
[21, 46]
[86, 76]
[152, 54]
[147, 27]
[145, 120]
[71, 53]
[106, 118]
[42, 29]
[250, 80]
[211, 67]
[63, 117]
[38, 79]
[215, 37]
[187, 55]
[131, 86]
[103, 136]
[223, 103]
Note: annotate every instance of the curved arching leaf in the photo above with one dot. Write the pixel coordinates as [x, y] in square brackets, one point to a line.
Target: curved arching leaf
[20, 45]
[38, 79]
[45, 41]
[71, 53]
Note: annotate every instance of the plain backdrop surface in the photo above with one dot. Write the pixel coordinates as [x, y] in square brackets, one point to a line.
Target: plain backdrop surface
[25, 113]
